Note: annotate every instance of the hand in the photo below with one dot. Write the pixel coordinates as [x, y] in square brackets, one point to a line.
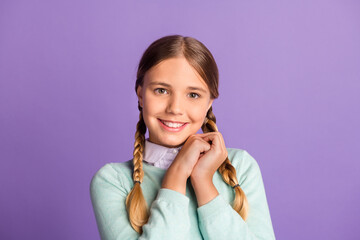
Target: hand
[192, 150]
[180, 169]
[212, 158]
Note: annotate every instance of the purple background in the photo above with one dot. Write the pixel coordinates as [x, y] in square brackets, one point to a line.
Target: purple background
[289, 95]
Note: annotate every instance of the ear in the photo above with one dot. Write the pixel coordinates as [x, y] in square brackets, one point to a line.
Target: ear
[139, 95]
[210, 103]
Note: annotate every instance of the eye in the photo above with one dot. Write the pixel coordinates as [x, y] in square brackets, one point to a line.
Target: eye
[160, 90]
[194, 95]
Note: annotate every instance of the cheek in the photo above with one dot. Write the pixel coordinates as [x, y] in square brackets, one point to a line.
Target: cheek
[197, 114]
[153, 105]
[150, 102]
[153, 109]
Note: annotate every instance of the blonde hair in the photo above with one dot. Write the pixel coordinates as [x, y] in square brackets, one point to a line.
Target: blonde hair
[203, 62]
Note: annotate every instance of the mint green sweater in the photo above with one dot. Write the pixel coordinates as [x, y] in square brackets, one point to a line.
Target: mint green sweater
[176, 216]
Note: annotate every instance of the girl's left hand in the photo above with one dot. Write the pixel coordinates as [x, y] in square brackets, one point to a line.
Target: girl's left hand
[210, 160]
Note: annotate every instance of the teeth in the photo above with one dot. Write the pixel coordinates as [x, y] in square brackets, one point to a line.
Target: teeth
[173, 125]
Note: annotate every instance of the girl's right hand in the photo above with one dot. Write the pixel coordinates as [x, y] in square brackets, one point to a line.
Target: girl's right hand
[194, 147]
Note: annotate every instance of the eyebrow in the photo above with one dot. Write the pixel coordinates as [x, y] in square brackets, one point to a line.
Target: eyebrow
[169, 86]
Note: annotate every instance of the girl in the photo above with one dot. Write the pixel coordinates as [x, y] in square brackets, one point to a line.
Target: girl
[196, 187]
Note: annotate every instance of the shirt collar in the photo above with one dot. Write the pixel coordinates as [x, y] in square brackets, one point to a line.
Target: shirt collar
[158, 155]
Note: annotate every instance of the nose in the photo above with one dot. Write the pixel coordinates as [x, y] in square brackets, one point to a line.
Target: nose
[175, 105]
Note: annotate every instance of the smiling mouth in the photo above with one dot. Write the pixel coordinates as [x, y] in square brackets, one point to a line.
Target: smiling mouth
[172, 124]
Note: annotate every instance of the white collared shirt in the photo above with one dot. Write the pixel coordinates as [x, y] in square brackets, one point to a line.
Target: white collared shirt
[158, 155]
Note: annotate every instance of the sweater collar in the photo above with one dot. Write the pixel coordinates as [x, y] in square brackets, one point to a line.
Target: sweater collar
[158, 155]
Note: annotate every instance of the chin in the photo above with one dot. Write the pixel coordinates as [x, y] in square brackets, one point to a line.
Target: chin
[172, 141]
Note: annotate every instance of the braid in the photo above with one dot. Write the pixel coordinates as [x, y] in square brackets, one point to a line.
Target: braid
[135, 202]
[210, 122]
[227, 170]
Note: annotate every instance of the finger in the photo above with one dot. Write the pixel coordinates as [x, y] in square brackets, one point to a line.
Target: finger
[203, 135]
[204, 146]
[220, 143]
[215, 140]
[210, 137]
[213, 133]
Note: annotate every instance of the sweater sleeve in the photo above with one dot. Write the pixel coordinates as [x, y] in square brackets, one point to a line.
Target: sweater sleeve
[169, 218]
[218, 220]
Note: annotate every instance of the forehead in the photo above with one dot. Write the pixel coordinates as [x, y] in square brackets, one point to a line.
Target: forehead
[175, 71]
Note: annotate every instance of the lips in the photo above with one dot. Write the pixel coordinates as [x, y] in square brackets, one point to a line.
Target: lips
[172, 125]
[169, 121]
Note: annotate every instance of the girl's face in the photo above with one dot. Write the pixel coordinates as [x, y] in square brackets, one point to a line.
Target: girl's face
[175, 100]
